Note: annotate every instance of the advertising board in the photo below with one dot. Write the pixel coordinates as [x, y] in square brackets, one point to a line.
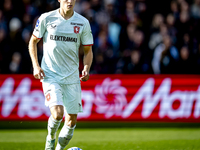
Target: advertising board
[159, 98]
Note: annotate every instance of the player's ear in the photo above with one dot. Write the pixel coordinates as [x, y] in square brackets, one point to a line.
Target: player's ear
[59, 1]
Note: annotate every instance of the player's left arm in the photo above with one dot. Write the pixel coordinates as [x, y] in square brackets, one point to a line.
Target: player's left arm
[87, 61]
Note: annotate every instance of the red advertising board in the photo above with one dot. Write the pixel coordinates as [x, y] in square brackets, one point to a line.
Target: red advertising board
[160, 98]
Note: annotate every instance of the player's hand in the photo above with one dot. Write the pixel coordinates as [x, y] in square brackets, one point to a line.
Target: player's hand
[85, 75]
[38, 73]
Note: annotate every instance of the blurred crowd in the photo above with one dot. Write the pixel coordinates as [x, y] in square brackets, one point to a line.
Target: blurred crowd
[130, 36]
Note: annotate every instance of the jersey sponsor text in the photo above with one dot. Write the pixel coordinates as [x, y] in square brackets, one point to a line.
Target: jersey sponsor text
[63, 38]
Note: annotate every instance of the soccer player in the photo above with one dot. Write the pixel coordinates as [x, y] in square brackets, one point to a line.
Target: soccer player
[62, 30]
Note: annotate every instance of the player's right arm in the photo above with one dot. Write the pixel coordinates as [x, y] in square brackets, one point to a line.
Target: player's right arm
[35, 38]
[38, 73]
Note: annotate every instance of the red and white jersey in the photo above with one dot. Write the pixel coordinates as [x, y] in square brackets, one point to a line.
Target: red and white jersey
[61, 42]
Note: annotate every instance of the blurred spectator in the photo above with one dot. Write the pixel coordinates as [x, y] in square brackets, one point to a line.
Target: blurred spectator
[156, 37]
[134, 64]
[127, 35]
[114, 32]
[185, 40]
[102, 42]
[100, 66]
[15, 27]
[96, 5]
[135, 39]
[195, 9]
[185, 64]
[174, 9]
[15, 66]
[158, 20]
[165, 57]
[170, 22]
[183, 24]
[130, 10]
[8, 9]
[184, 7]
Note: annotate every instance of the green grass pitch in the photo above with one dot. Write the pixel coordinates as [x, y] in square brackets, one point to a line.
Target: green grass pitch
[108, 139]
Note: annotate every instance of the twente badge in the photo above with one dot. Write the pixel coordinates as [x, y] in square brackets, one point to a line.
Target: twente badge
[76, 29]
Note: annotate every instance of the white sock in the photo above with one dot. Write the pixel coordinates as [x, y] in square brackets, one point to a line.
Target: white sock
[53, 126]
[64, 137]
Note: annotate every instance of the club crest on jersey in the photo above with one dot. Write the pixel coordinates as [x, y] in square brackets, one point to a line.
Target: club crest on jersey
[48, 97]
[76, 29]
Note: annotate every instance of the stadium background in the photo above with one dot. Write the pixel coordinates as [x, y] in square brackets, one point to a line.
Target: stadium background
[145, 71]
[126, 35]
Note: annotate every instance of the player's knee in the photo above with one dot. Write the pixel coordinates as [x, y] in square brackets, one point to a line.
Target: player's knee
[71, 122]
[57, 116]
[57, 112]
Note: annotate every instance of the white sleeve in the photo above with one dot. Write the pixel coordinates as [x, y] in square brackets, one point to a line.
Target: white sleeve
[39, 27]
[86, 36]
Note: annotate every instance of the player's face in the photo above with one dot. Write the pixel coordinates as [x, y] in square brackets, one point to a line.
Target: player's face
[67, 4]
